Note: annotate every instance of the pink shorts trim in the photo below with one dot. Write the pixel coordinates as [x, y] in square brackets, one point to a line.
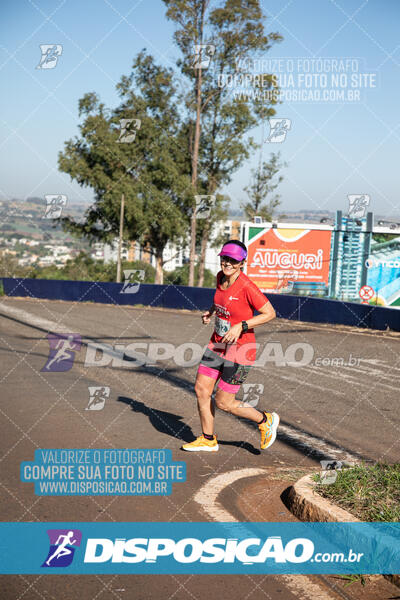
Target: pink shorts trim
[228, 387]
[216, 374]
[213, 373]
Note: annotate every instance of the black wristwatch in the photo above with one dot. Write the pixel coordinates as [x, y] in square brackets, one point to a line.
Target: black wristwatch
[245, 327]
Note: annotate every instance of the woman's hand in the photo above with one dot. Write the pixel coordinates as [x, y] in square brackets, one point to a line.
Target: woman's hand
[206, 317]
[233, 334]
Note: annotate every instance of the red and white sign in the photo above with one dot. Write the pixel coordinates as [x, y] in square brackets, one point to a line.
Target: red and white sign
[366, 293]
[277, 258]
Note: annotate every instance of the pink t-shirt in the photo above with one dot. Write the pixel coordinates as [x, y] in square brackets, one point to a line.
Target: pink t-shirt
[232, 306]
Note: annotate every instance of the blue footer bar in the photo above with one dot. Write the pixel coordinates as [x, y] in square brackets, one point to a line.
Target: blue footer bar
[199, 548]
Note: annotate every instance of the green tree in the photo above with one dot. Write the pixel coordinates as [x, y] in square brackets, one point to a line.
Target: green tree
[380, 238]
[190, 16]
[180, 276]
[262, 186]
[8, 265]
[218, 123]
[85, 268]
[151, 170]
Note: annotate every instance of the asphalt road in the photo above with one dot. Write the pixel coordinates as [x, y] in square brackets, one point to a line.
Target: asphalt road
[327, 410]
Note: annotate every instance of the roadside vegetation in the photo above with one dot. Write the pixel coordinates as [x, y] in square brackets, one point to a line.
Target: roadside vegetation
[369, 492]
[85, 268]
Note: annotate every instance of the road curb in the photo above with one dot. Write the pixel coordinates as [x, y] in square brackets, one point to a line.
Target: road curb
[304, 502]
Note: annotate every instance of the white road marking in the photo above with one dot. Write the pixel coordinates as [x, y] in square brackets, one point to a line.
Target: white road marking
[307, 383]
[300, 584]
[376, 372]
[379, 362]
[312, 443]
[58, 328]
[357, 382]
[206, 497]
[32, 319]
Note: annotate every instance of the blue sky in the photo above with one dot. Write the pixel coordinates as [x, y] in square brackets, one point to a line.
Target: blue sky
[332, 149]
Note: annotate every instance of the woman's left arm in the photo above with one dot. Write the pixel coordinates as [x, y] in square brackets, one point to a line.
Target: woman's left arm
[267, 313]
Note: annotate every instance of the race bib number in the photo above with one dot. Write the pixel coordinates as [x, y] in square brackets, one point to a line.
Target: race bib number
[222, 326]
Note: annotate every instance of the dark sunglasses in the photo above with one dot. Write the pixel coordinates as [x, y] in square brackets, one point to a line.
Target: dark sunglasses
[228, 259]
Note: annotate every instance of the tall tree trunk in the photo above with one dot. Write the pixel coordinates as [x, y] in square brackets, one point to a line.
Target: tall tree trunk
[121, 230]
[205, 237]
[159, 267]
[195, 156]
[204, 242]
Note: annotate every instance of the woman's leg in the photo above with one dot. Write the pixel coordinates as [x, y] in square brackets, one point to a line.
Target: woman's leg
[267, 422]
[204, 388]
[226, 401]
[232, 377]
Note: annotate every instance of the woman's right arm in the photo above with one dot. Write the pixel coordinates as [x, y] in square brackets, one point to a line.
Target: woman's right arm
[208, 314]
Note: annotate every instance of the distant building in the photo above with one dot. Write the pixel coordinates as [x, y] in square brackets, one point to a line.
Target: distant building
[384, 272]
[350, 249]
[225, 230]
[46, 261]
[174, 255]
[98, 251]
[28, 260]
[111, 252]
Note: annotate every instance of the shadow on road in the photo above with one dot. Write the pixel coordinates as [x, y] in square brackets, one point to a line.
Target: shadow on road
[163, 421]
[171, 424]
[245, 445]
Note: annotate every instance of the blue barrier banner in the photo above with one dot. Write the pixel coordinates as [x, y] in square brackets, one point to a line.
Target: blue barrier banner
[199, 548]
[103, 472]
[299, 308]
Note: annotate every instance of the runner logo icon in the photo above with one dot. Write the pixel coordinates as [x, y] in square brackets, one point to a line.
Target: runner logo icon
[278, 130]
[203, 207]
[133, 279]
[358, 204]
[50, 55]
[203, 55]
[63, 543]
[54, 205]
[98, 396]
[252, 393]
[128, 129]
[329, 471]
[62, 351]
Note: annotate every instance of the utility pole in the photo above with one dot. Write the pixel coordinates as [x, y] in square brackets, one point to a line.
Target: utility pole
[121, 229]
[196, 146]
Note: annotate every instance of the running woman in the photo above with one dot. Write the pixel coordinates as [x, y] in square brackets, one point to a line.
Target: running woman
[231, 350]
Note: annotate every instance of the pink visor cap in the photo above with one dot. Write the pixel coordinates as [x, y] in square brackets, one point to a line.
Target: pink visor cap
[233, 251]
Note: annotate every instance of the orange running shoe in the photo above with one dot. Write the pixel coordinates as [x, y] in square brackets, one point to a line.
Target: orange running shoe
[202, 444]
[268, 430]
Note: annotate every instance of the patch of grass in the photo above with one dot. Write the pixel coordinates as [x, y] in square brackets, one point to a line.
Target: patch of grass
[369, 492]
[1, 288]
[354, 579]
[288, 474]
